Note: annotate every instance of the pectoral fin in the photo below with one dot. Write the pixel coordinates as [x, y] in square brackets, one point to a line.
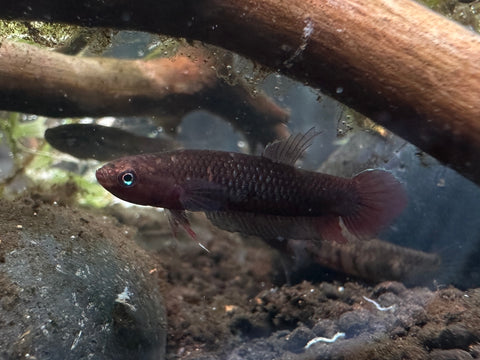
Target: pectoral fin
[202, 195]
[179, 217]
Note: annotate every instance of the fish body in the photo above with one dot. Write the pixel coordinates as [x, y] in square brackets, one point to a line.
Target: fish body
[104, 143]
[374, 260]
[258, 195]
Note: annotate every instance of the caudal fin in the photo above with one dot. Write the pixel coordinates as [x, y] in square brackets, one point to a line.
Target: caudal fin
[381, 198]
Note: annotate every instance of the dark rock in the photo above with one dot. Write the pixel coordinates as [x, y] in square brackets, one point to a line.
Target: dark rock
[325, 328]
[353, 323]
[298, 338]
[388, 299]
[451, 337]
[410, 316]
[454, 354]
[72, 289]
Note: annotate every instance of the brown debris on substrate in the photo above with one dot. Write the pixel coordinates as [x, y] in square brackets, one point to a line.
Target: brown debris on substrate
[223, 304]
[277, 322]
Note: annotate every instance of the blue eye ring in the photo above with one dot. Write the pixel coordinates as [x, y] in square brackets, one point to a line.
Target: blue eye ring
[127, 178]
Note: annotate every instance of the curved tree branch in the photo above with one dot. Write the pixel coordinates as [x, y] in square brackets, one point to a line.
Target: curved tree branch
[402, 65]
[36, 80]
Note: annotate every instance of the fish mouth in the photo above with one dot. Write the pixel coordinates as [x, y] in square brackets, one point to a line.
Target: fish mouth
[105, 175]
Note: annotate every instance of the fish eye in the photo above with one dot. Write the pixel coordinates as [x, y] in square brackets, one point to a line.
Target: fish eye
[127, 178]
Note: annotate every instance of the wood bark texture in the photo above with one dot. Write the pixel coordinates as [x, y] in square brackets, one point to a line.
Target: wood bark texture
[402, 65]
[36, 80]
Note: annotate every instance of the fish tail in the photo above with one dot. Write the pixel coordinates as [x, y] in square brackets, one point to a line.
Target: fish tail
[381, 198]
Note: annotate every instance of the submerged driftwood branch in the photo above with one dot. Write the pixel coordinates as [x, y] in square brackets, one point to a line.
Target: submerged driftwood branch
[404, 66]
[39, 81]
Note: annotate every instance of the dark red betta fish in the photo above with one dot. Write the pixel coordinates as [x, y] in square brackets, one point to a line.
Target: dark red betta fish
[263, 195]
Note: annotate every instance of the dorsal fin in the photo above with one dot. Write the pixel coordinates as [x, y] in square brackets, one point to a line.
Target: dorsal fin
[289, 150]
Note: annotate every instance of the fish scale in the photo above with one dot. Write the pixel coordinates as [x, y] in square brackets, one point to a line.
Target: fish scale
[238, 179]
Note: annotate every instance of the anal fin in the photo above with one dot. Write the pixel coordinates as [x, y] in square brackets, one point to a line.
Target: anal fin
[330, 227]
[273, 227]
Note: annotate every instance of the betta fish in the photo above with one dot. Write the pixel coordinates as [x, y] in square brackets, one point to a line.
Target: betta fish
[265, 196]
[104, 143]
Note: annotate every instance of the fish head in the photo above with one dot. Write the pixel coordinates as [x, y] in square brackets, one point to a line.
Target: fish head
[71, 139]
[134, 180]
